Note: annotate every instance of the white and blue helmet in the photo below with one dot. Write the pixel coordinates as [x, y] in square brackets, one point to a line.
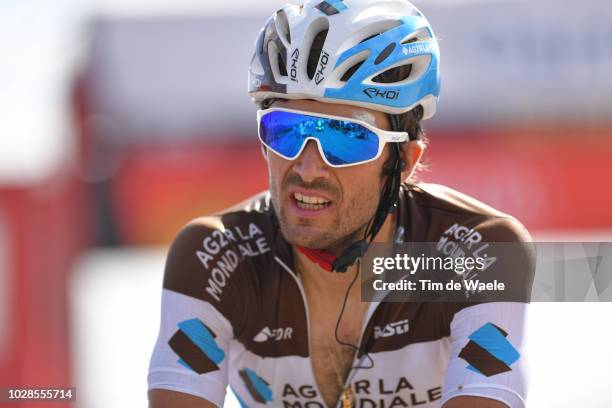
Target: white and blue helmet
[362, 39]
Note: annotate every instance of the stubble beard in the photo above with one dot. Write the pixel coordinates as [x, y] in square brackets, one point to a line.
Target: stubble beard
[347, 226]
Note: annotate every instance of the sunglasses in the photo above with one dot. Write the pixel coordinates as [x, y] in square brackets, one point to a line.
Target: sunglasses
[341, 141]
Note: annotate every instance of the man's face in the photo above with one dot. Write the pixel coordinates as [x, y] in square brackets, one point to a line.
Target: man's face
[350, 195]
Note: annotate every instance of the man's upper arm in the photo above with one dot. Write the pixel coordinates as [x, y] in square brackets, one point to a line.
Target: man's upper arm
[487, 362]
[190, 358]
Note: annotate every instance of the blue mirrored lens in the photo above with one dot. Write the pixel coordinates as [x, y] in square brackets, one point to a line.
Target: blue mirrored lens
[343, 142]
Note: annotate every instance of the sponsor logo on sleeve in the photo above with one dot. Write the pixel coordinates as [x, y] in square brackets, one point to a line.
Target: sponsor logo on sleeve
[282, 333]
[195, 344]
[489, 352]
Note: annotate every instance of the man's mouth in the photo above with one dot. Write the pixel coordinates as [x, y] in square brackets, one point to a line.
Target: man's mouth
[310, 202]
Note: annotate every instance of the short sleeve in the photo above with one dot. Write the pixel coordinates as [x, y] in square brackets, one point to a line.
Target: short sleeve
[191, 352]
[487, 356]
[200, 311]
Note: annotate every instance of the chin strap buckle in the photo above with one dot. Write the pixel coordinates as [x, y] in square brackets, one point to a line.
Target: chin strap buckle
[330, 262]
[348, 257]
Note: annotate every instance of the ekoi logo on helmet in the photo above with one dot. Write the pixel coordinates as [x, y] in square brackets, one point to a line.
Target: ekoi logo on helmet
[390, 94]
[323, 50]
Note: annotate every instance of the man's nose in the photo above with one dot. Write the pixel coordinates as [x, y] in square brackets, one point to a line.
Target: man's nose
[309, 164]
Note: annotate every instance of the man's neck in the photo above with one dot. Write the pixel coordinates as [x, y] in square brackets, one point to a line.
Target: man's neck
[333, 284]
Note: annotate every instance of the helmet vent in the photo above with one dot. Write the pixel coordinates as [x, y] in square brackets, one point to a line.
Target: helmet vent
[282, 63]
[277, 55]
[421, 35]
[282, 27]
[349, 72]
[384, 53]
[315, 52]
[345, 71]
[369, 37]
[368, 32]
[392, 75]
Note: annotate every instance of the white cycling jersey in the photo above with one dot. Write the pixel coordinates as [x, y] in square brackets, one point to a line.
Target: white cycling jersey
[234, 313]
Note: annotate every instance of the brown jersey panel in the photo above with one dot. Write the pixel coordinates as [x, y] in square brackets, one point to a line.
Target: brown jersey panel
[397, 325]
[234, 260]
[447, 217]
[228, 260]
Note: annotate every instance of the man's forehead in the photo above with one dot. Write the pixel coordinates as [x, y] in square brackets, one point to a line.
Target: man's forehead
[365, 116]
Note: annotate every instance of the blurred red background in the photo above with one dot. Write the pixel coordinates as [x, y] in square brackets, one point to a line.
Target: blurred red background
[135, 180]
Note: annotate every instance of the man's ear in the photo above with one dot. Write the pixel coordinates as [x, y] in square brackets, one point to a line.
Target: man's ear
[411, 153]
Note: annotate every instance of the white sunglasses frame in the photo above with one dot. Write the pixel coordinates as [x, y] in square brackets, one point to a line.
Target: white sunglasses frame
[384, 136]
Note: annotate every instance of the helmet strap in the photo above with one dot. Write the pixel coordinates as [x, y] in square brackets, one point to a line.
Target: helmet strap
[386, 205]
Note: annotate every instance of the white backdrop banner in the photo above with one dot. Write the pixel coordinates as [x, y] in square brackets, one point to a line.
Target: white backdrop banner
[530, 60]
[502, 60]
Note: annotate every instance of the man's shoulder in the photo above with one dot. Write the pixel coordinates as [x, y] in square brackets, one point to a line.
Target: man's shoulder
[210, 250]
[459, 215]
[445, 198]
[463, 227]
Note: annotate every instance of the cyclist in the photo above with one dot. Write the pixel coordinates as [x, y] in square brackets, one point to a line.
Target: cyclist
[261, 298]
